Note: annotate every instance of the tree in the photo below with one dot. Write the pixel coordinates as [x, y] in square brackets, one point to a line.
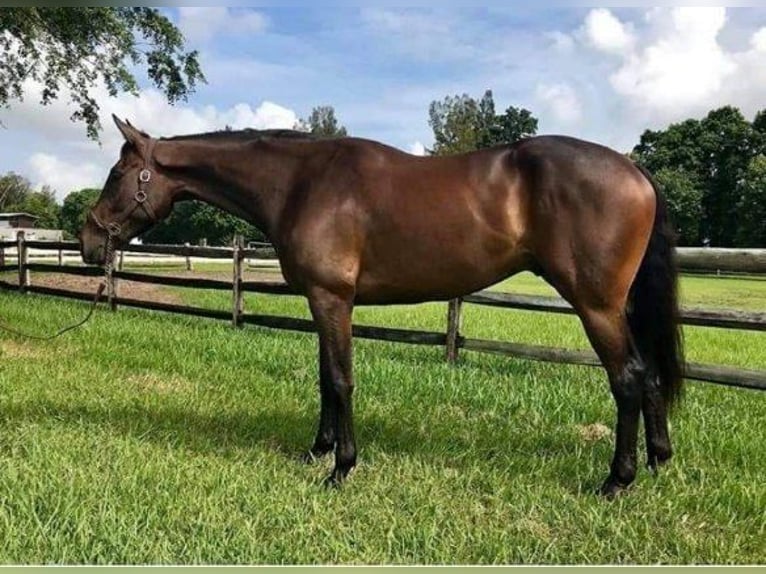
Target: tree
[14, 189]
[323, 123]
[43, 204]
[75, 209]
[728, 146]
[17, 195]
[759, 132]
[751, 231]
[461, 124]
[75, 48]
[675, 147]
[715, 153]
[684, 199]
[458, 123]
[513, 125]
[191, 221]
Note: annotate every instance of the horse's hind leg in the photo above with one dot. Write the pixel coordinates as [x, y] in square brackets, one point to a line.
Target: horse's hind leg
[653, 404]
[324, 442]
[658, 449]
[610, 336]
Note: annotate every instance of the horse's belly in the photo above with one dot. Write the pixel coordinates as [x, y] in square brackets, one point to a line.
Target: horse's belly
[433, 279]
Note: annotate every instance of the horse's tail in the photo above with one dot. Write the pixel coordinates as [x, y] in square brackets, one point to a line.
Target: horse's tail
[653, 312]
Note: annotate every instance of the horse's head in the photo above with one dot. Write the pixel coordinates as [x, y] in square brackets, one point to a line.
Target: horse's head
[137, 194]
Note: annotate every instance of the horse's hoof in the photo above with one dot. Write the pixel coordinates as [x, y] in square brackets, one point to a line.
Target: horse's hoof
[653, 465]
[337, 477]
[334, 481]
[612, 488]
[310, 457]
[316, 452]
[654, 462]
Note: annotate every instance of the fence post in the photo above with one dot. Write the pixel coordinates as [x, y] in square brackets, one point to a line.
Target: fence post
[2, 255]
[61, 257]
[188, 257]
[237, 300]
[121, 263]
[23, 253]
[453, 329]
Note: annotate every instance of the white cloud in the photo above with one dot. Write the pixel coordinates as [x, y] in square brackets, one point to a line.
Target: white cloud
[266, 116]
[674, 66]
[153, 114]
[417, 148]
[746, 86]
[561, 100]
[66, 161]
[47, 169]
[758, 41]
[605, 32]
[200, 25]
[683, 69]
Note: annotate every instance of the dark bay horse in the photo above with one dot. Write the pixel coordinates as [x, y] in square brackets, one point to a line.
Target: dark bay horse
[356, 222]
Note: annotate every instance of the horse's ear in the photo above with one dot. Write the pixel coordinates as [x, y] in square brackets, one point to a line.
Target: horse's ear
[130, 133]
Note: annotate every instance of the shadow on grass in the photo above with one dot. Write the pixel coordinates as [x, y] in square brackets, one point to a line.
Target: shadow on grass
[288, 433]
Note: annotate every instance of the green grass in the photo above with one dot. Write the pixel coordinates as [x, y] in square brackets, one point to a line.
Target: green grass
[152, 438]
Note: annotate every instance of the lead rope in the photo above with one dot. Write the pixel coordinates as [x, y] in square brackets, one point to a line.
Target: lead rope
[108, 268]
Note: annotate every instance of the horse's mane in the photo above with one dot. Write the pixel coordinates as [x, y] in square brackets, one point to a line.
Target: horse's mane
[247, 134]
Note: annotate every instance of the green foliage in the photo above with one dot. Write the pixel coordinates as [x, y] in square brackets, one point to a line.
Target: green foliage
[759, 126]
[458, 123]
[513, 125]
[675, 147]
[75, 209]
[684, 198]
[14, 190]
[192, 221]
[17, 195]
[73, 49]
[462, 124]
[43, 204]
[728, 145]
[752, 204]
[323, 123]
[714, 154]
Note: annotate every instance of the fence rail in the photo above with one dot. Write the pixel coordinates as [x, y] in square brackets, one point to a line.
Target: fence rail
[702, 259]
[751, 261]
[711, 259]
[729, 319]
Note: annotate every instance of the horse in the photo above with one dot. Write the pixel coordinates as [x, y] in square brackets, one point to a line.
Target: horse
[356, 222]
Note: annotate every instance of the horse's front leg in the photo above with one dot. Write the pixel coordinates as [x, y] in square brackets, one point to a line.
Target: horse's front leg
[332, 316]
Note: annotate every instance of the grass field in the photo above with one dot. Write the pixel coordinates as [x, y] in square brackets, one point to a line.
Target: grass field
[151, 438]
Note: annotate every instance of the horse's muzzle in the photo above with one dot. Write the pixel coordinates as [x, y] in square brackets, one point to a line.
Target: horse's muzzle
[92, 246]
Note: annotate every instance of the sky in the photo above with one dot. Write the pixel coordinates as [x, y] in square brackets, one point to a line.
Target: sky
[602, 74]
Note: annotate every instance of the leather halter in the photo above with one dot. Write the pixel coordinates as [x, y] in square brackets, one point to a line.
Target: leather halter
[114, 228]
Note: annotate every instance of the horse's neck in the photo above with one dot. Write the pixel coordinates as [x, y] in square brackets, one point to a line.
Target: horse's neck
[246, 179]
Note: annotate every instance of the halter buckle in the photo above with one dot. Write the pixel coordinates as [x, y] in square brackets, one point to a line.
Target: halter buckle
[140, 196]
[113, 229]
[144, 176]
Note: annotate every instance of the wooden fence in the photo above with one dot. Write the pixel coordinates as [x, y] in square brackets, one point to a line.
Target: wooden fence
[451, 339]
